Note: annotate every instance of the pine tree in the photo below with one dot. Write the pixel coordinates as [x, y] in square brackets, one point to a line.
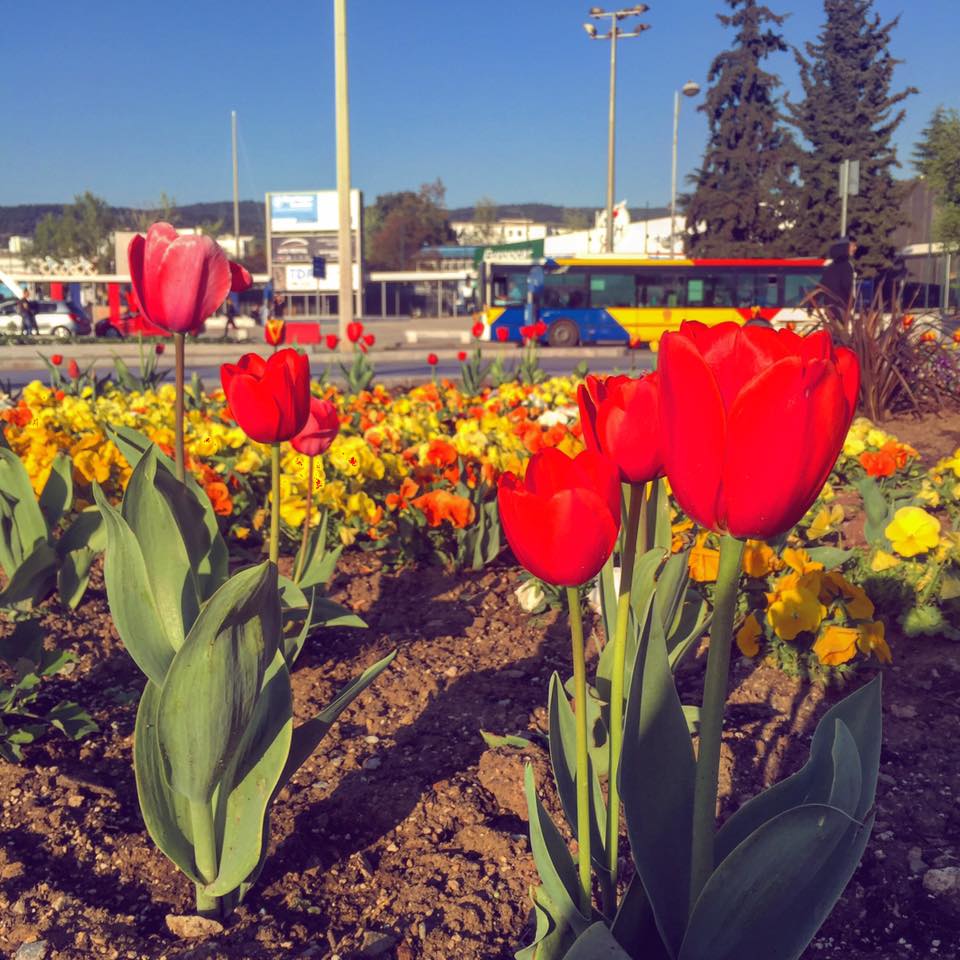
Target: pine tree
[937, 159]
[742, 187]
[848, 114]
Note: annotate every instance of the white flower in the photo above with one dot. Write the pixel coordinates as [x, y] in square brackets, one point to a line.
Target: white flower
[593, 597]
[529, 595]
[560, 415]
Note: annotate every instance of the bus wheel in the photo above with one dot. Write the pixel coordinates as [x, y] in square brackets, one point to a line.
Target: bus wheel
[563, 333]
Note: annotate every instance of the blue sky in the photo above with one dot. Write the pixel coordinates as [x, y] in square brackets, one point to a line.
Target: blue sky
[498, 98]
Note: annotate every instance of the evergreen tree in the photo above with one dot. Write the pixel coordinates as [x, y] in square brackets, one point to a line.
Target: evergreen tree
[848, 114]
[937, 159]
[742, 188]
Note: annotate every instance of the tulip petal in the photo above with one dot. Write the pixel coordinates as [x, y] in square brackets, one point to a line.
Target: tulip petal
[549, 472]
[563, 539]
[254, 408]
[240, 278]
[848, 367]
[193, 280]
[588, 415]
[628, 429]
[692, 427]
[785, 431]
[135, 256]
[598, 474]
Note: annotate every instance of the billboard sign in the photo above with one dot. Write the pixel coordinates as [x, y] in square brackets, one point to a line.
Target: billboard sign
[313, 211]
[304, 249]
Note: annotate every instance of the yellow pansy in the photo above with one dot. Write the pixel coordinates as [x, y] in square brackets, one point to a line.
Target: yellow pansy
[799, 560]
[837, 645]
[826, 521]
[827, 494]
[795, 606]
[913, 531]
[759, 559]
[704, 562]
[872, 640]
[855, 601]
[748, 636]
[883, 561]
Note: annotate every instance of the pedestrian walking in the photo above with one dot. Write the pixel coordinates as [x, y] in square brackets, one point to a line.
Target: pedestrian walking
[28, 320]
[838, 279]
[230, 311]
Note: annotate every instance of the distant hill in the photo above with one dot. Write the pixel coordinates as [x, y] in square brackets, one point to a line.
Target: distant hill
[552, 213]
[22, 220]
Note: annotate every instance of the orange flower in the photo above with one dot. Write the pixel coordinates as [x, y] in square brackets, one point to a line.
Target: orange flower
[441, 453]
[400, 499]
[220, 498]
[880, 464]
[438, 505]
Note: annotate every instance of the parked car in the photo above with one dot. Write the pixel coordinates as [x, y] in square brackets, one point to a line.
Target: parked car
[54, 318]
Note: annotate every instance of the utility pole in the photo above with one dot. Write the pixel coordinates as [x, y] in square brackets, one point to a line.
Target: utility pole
[690, 89]
[345, 237]
[615, 16]
[236, 187]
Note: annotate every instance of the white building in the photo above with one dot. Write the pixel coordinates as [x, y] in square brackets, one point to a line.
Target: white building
[504, 230]
[647, 238]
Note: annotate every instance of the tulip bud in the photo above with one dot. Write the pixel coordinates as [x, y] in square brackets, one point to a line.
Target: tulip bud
[332, 341]
[462, 356]
[159, 348]
[502, 334]
[369, 339]
[477, 330]
[56, 359]
[432, 359]
[354, 331]
[73, 370]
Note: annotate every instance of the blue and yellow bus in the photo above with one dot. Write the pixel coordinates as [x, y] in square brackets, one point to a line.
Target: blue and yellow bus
[627, 300]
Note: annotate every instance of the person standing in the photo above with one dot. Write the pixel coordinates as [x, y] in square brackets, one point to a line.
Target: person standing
[837, 281]
[28, 320]
[230, 311]
[279, 306]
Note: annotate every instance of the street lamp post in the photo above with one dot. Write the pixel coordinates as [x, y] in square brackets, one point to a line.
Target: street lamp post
[689, 89]
[615, 16]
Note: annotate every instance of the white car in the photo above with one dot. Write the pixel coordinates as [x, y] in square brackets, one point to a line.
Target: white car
[54, 318]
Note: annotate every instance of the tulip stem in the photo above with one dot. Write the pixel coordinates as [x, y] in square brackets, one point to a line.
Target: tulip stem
[636, 510]
[178, 340]
[306, 523]
[204, 855]
[583, 782]
[711, 717]
[274, 502]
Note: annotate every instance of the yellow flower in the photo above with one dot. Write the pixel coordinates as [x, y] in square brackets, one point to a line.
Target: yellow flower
[347, 536]
[259, 517]
[800, 561]
[854, 599]
[872, 640]
[748, 636]
[758, 559]
[913, 531]
[241, 533]
[827, 494]
[837, 645]
[826, 521]
[795, 606]
[704, 563]
[883, 561]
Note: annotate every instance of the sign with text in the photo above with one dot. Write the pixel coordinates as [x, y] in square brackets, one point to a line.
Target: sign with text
[309, 211]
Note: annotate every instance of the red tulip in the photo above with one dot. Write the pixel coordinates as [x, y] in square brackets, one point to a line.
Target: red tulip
[562, 519]
[179, 281]
[539, 328]
[56, 359]
[73, 370]
[240, 278]
[332, 341]
[354, 331]
[273, 331]
[462, 355]
[502, 334]
[620, 417]
[319, 431]
[752, 421]
[432, 359]
[269, 399]
[369, 339]
[158, 349]
[477, 330]
[528, 332]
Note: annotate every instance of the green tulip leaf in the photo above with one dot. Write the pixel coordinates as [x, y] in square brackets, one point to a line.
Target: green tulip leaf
[249, 780]
[671, 590]
[74, 575]
[291, 643]
[597, 943]
[132, 605]
[552, 938]
[563, 758]
[860, 713]
[308, 735]
[693, 622]
[34, 579]
[57, 493]
[555, 865]
[172, 579]
[166, 813]
[214, 681]
[320, 562]
[772, 893]
[657, 771]
[212, 568]
[634, 926]
[830, 557]
[327, 613]
[87, 530]
[878, 510]
[27, 520]
[71, 720]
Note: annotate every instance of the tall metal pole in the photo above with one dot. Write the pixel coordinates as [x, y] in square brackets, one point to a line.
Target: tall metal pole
[608, 244]
[236, 187]
[673, 174]
[844, 190]
[345, 299]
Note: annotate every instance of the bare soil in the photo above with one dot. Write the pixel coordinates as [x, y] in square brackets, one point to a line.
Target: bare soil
[405, 834]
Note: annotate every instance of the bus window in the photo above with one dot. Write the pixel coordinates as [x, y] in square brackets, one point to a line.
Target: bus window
[613, 290]
[757, 290]
[509, 288]
[660, 290]
[797, 286]
[564, 290]
[711, 290]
